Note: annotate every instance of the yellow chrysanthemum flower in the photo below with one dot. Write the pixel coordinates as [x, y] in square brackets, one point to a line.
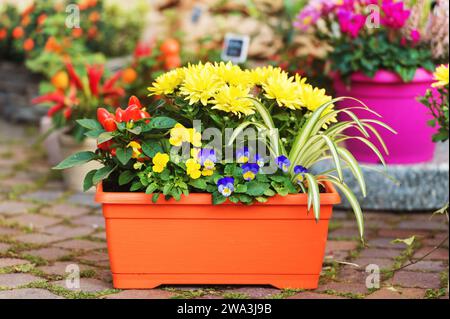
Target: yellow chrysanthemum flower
[312, 98]
[160, 161]
[167, 83]
[234, 99]
[193, 168]
[284, 90]
[200, 84]
[259, 76]
[232, 74]
[136, 149]
[332, 119]
[441, 76]
[178, 135]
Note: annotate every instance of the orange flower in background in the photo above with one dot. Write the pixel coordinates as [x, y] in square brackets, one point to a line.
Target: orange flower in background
[77, 32]
[86, 4]
[26, 20]
[18, 33]
[94, 16]
[3, 34]
[92, 32]
[170, 47]
[28, 44]
[52, 45]
[28, 10]
[129, 75]
[41, 19]
[172, 62]
[60, 80]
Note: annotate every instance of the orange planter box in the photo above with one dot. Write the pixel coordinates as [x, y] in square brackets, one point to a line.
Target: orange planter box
[194, 242]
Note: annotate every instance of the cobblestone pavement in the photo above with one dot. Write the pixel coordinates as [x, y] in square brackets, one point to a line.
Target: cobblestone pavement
[43, 229]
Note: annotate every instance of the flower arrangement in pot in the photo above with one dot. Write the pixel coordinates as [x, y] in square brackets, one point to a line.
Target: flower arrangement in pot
[208, 190]
[381, 52]
[74, 96]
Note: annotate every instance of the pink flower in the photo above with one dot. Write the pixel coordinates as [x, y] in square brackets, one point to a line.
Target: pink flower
[350, 22]
[306, 18]
[395, 15]
[415, 36]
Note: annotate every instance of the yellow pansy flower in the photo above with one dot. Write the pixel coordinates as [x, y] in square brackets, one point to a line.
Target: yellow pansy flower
[193, 168]
[178, 135]
[441, 76]
[234, 99]
[160, 161]
[167, 83]
[195, 137]
[136, 149]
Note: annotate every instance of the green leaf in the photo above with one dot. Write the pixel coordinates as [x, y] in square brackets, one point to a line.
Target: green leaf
[261, 199]
[155, 197]
[102, 174]
[92, 125]
[256, 189]
[313, 195]
[151, 148]
[94, 134]
[161, 122]
[105, 137]
[151, 188]
[135, 130]
[407, 241]
[269, 192]
[136, 186]
[233, 199]
[75, 160]
[241, 188]
[198, 183]
[218, 198]
[126, 177]
[124, 154]
[87, 183]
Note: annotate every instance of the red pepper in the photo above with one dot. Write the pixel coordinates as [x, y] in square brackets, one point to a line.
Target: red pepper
[134, 101]
[103, 114]
[120, 115]
[68, 113]
[50, 97]
[113, 152]
[94, 73]
[132, 113]
[74, 78]
[56, 108]
[111, 81]
[110, 124]
[105, 146]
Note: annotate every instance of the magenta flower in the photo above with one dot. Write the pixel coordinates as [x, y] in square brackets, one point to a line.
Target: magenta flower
[415, 36]
[395, 15]
[307, 17]
[350, 23]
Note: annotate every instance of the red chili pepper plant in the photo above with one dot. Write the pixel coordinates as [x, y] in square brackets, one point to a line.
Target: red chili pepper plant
[77, 95]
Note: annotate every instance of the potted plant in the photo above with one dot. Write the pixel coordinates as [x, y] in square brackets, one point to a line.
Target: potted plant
[216, 202]
[381, 54]
[75, 97]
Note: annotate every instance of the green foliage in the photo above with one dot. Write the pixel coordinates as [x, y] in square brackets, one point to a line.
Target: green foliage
[438, 104]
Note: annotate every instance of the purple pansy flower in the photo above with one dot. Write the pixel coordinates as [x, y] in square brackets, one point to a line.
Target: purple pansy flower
[249, 171]
[225, 186]
[300, 172]
[283, 163]
[207, 157]
[243, 155]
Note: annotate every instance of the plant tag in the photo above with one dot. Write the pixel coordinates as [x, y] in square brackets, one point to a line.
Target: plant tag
[196, 13]
[235, 48]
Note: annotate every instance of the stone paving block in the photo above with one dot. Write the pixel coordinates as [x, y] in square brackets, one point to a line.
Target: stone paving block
[414, 279]
[40, 239]
[9, 262]
[437, 240]
[438, 254]
[422, 225]
[68, 231]
[15, 208]
[6, 231]
[384, 243]
[86, 285]
[254, 292]
[80, 244]
[93, 221]
[34, 221]
[83, 199]
[400, 293]
[352, 274]
[142, 294]
[43, 196]
[28, 293]
[338, 245]
[427, 265]
[4, 247]
[379, 253]
[60, 268]
[383, 263]
[16, 280]
[50, 253]
[403, 233]
[347, 233]
[101, 235]
[344, 287]
[95, 256]
[65, 210]
[313, 295]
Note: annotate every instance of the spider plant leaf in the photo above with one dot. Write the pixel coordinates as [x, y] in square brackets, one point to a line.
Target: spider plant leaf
[335, 156]
[314, 194]
[354, 167]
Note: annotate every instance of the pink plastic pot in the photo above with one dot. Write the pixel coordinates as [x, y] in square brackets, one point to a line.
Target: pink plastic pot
[396, 102]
